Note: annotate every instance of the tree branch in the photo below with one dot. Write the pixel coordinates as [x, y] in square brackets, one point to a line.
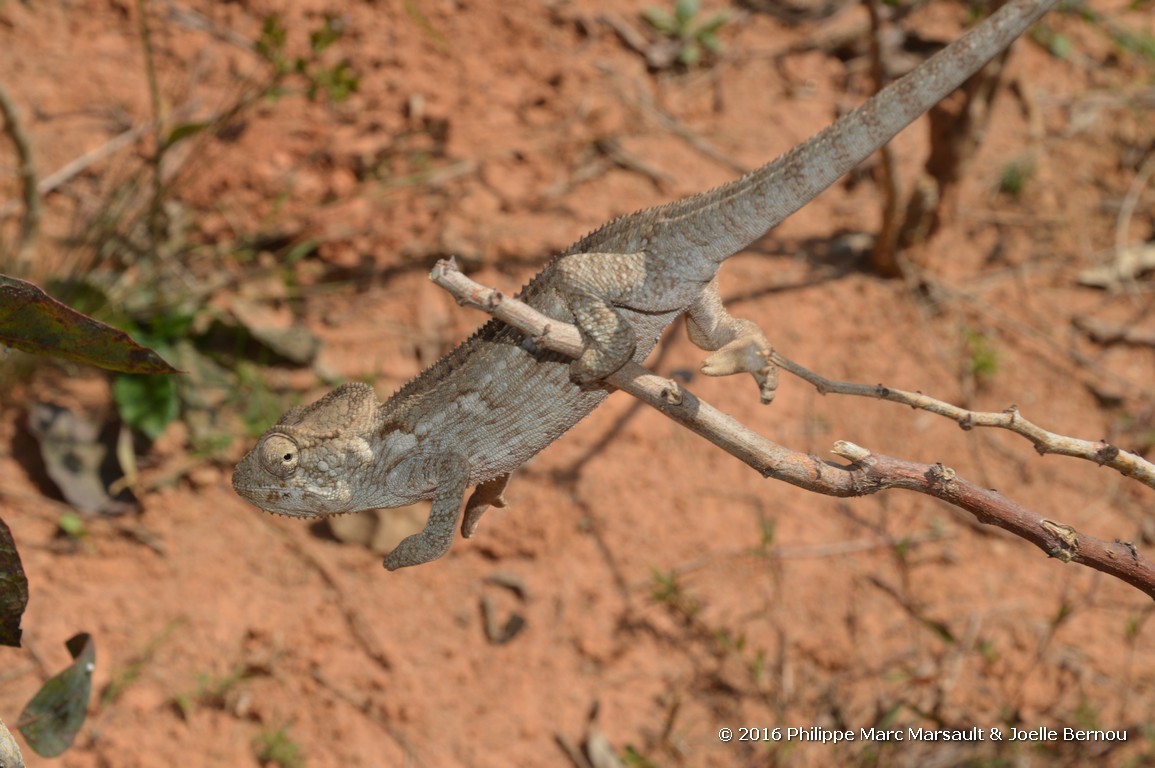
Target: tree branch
[867, 473]
[1101, 452]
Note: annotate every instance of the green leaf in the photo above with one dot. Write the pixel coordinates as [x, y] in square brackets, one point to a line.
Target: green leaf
[328, 34]
[710, 42]
[661, 20]
[338, 83]
[271, 44]
[33, 321]
[166, 326]
[72, 525]
[714, 23]
[148, 403]
[54, 716]
[299, 251]
[84, 295]
[1061, 46]
[13, 589]
[685, 11]
[1134, 42]
[184, 130]
[690, 55]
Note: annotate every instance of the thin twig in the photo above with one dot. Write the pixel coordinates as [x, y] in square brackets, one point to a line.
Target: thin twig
[884, 252]
[191, 19]
[160, 144]
[866, 474]
[1102, 332]
[643, 101]
[75, 167]
[1100, 452]
[30, 225]
[835, 549]
[1127, 209]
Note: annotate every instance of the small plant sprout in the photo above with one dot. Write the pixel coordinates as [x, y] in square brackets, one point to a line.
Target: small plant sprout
[692, 36]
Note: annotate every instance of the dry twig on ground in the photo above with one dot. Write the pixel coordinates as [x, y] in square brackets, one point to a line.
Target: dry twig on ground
[30, 225]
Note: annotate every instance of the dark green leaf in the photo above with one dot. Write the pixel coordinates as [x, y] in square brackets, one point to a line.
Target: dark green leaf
[341, 81]
[54, 716]
[183, 131]
[166, 326]
[13, 589]
[328, 34]
[338, 82]
[271, 43]
[299, 251]
[33, 321]
[83, 294]
[148, 403]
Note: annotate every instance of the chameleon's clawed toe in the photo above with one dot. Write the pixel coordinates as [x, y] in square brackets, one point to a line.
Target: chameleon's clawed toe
[745, 355]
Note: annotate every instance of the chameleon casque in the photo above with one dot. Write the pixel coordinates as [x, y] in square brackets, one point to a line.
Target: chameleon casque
[498, 399]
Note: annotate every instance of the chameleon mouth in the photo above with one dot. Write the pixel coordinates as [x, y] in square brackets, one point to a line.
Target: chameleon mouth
[291, 502]
[301, 516]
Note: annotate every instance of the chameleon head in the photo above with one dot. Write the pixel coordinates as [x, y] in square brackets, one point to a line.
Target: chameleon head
[307, 464]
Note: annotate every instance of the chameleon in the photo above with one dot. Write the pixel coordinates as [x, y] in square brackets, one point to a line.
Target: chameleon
[498, 399]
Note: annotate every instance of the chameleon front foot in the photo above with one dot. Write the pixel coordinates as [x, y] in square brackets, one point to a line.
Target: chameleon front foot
[449, 473]
[417, 549]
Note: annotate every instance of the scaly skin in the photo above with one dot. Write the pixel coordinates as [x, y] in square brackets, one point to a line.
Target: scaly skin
[497, 400]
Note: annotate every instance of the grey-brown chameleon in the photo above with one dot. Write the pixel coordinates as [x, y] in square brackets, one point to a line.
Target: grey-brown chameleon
[498, 399]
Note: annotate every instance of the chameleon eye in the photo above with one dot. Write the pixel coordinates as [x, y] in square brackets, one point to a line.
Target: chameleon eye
[279, 455]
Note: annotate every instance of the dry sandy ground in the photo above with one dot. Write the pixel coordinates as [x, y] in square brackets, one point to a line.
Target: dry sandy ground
[658, 579]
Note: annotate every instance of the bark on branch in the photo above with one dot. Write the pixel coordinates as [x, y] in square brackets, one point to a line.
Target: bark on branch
[1099, 452]
[865, 474]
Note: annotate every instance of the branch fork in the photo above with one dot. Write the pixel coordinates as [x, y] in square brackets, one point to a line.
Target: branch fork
[867, 472]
